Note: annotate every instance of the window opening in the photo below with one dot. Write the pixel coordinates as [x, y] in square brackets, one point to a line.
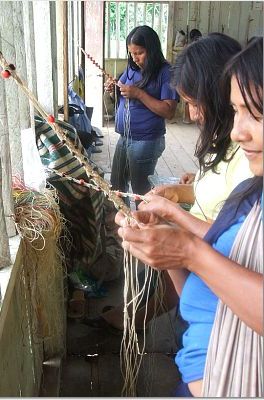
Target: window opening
[122, 17]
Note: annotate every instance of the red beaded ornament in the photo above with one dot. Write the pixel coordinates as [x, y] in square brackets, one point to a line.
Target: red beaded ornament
[5, 73]
[51, 119]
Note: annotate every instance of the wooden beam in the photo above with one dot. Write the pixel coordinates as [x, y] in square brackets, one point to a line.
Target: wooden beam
[94, 39]
[46, 54]
[5, 258]
[65, 59]
[62, 55]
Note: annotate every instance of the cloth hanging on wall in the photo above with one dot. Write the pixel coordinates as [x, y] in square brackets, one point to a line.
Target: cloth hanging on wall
[81, 206]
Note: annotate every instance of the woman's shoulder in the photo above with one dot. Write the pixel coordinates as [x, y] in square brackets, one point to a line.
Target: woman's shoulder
[165, 68]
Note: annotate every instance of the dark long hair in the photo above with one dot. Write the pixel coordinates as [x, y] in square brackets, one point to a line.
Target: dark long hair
[146, 37]
[247, 67]
[197, 74]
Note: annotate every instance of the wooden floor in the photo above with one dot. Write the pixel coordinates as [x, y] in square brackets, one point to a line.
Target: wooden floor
[177, 158]
[92, 365]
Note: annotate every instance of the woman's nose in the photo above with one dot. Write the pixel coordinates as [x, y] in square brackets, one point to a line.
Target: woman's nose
[240, 131]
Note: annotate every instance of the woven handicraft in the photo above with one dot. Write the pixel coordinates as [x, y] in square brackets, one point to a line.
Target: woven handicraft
[81, 206]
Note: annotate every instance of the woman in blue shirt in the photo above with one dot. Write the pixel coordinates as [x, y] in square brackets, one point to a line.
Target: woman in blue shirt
[220, 277]
[146, 100]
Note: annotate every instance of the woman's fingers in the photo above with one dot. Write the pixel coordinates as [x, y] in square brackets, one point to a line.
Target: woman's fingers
[187, 178]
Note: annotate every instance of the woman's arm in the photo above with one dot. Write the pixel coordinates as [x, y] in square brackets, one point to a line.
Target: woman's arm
[166, 247]
[178, 276]
[173, 212]
[237, 286]
[163, 108]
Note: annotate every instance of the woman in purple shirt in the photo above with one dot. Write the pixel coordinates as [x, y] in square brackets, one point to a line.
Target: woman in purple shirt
[146, 100]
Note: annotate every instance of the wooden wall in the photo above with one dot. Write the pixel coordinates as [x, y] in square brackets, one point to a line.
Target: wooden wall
[239, 19]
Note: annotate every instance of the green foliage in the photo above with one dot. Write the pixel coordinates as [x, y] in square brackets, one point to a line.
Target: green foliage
[124, 16]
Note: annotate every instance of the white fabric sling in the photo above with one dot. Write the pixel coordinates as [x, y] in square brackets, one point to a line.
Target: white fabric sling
[234, 364]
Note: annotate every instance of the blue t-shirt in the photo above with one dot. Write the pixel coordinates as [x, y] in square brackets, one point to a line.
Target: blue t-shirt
[198, 306]
[198, 303]
[143, 123]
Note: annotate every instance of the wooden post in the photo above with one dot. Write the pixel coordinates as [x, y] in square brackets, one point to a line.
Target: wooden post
[62, 55]
[19, 43]
[5, 259]
[30, 52]
[8, 47]
[45, 53]
[94, 40]
[7, 206]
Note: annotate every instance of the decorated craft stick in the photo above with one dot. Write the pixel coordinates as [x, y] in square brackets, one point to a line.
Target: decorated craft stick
[98, 66]
[101, 184]
[82, 182]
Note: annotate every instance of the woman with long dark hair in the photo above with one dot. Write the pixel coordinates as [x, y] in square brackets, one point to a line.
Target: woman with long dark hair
[197, 76]
[219, 278]
[222, 164]
[146, 100]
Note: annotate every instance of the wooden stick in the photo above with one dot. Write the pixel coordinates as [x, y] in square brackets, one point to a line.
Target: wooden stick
[63, 136]
[98, 66]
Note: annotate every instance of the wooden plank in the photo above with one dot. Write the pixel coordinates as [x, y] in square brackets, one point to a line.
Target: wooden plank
[176, 159]
[127, 18]
[223, 17]
[234, 19]
[181, 16]
[153, 15]
[12, 98]
[45, 57]
[108, 38]
[5, 258]
[20, 61]
[243, 22]
[255, 27]
[65, 59]
[94, 38]
[214, 16]
[170, 32]
[18, 377]
[117, 30]
[7, 223]
[70, 40]
[136, 14]
[203, 21]
[62, 55]
[193, 15]
[32, 316]
[144, 12]
[75, 38]
[161, 14]
[30, 53]
[6, 173]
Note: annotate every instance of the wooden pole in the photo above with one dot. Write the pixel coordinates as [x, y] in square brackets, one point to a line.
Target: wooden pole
[5, 258]
[65, 58]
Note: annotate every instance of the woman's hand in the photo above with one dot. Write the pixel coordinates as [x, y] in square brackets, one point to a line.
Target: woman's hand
[129, 91]
[159, 205]
[169, 192]
[138, 218]
[109, 85]
[187, 178]
[159, 245]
